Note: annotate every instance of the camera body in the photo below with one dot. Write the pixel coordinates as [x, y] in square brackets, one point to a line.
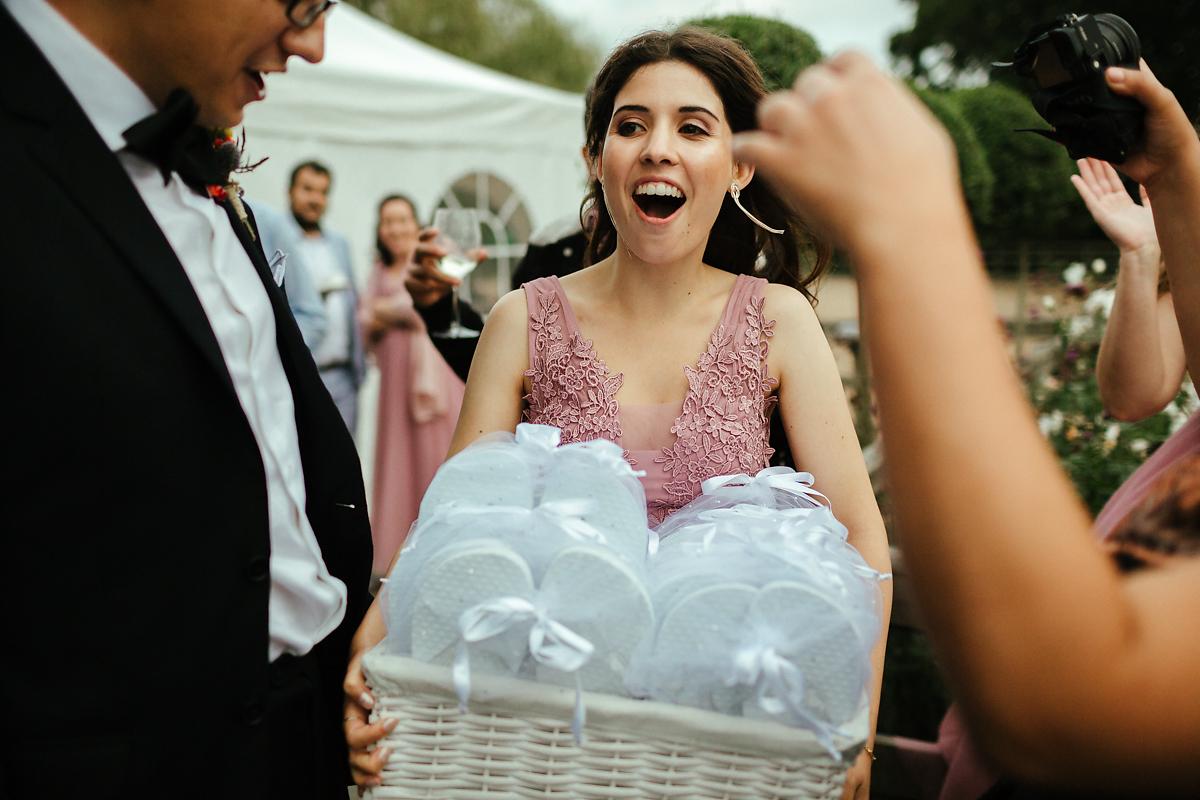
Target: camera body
[1066, 60]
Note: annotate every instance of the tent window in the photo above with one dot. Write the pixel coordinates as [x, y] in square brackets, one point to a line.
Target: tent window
[506, 231]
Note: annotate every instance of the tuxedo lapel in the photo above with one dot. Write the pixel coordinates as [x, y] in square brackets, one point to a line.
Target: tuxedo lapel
[287, 335]
[68, 148]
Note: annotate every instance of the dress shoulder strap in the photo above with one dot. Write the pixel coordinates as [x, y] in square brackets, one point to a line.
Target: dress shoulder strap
[550, 320]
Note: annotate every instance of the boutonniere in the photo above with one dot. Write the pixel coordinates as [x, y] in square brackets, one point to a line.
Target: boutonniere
[229, 151]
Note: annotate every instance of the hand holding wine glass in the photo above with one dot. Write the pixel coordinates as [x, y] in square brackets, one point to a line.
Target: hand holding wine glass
[459, 235]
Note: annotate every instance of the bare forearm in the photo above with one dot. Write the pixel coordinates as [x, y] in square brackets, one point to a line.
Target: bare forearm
[977, 491]
[1176, 196]
[1131, 369]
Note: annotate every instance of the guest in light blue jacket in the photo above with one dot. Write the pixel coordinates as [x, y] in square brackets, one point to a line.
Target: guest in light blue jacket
[324, 259]
[281, 245]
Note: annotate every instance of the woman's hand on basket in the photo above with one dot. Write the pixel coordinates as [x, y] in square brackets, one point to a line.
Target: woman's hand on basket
[366, 764]
[858, 779]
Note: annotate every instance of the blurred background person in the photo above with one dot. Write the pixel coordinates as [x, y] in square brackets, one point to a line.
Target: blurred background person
[325, 258]
[419, 394]
[281, 245]
[1142, 360]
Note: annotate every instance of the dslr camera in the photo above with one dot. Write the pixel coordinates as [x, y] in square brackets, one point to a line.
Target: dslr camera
[1066, 60]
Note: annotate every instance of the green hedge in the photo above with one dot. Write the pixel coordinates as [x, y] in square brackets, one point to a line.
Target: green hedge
[979, 182]
[781, 50]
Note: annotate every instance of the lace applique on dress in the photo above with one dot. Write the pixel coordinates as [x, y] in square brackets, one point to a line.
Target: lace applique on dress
[724, 423]
[724, 427]
[571, 387]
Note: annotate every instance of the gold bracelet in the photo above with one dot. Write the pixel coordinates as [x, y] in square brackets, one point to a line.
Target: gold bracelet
[869, 752]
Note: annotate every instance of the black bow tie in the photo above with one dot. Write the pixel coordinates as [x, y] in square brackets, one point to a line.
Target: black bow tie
[171, 140]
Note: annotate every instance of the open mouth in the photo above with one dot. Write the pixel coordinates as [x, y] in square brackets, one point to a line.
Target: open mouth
[658, 200]
[260, 83]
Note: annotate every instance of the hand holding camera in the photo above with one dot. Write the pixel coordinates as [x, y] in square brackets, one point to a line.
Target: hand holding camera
[1101, 98]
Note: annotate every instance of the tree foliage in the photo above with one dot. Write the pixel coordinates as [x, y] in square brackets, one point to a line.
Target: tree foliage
[781, 50]
[518, 37]
[970, 34]
[978, 180]
[1033, 198]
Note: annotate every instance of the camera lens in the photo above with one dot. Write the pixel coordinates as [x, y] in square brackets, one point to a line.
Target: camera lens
[1121, 44]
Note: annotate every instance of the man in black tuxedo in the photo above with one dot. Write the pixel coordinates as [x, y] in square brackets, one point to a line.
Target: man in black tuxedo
[186, 545]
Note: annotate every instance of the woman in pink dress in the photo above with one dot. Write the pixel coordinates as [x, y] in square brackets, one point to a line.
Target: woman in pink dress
[672, 343]
[419, 395]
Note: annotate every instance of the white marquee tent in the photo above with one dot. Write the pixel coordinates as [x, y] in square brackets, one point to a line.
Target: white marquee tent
[390, 114]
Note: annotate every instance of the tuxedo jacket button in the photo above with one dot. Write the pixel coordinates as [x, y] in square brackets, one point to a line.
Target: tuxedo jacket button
[258, 569]
[254, 713]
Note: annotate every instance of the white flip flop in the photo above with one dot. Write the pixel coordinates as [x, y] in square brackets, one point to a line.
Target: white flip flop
[596, 594]
[829, 653]
[461, 577]
[485, 475]
[615, 511]
[703, 625]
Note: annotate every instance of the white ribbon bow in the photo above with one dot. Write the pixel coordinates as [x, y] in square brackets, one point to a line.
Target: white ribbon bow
[778, 686]
[784, 479]
[550, 643]
[566, 515]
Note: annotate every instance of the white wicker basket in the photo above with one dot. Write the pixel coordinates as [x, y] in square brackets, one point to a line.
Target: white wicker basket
[516, 742]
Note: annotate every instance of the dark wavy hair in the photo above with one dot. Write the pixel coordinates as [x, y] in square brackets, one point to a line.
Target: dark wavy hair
[796, 258]
[385, 256]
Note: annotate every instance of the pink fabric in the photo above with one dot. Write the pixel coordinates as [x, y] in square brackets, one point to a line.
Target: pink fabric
[1183, 442]
[968, 775]
[419, 400]
[720, 426]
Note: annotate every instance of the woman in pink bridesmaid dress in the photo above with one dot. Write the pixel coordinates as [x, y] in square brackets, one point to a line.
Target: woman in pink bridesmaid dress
[674, 342]
[419, 394]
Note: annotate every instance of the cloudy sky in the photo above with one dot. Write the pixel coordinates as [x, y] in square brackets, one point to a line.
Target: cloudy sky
[836, 24]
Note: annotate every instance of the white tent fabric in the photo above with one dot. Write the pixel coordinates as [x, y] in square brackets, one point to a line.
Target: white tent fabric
[389, 114]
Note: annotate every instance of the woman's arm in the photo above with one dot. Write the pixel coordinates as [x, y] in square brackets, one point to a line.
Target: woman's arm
[492, 403]
[496, 382]
[1070, 675]
[1167, 165]
[820, 433]
[1141, 361]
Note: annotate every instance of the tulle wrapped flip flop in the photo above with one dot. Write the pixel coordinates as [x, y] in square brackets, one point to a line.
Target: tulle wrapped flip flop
[693, 643]
[816, 641]
[488, 474]
[600, 597]
[461, 578]
[607, 493]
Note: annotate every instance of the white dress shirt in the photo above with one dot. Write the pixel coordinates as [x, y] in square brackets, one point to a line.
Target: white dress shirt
[306, 602]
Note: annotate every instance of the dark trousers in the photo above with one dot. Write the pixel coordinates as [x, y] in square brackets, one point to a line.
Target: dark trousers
[296, 734]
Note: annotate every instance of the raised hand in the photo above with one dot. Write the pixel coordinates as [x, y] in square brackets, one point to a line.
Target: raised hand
[1128, 225]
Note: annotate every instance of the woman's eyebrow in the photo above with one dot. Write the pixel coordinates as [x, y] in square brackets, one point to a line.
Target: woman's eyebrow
[682, 110]
[698, 110]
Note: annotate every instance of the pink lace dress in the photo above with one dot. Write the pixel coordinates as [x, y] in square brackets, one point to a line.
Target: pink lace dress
[720, 426]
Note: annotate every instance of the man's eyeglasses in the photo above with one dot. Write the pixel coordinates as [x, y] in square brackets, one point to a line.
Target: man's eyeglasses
[303, 13]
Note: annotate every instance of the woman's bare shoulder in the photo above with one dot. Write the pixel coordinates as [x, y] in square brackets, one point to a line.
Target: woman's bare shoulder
[790, 309]
[510, 309]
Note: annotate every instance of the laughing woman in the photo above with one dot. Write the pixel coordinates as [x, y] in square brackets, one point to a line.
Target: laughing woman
[668, 344]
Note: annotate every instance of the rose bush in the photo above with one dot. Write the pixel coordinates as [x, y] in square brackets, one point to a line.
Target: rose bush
[1097, 451]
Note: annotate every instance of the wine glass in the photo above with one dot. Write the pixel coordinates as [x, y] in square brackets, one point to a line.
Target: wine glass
[458, 232]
